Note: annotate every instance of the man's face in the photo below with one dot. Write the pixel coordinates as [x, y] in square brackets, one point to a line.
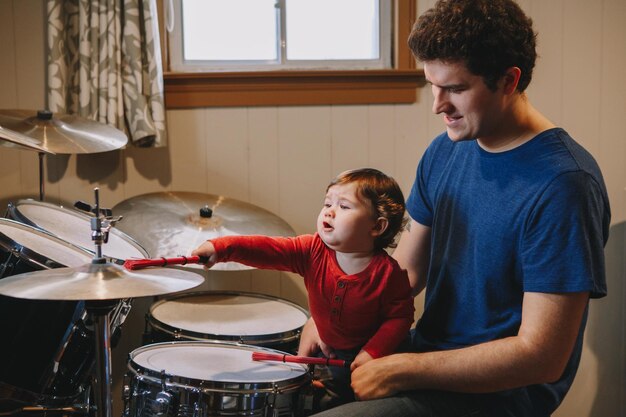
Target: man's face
[470, 109]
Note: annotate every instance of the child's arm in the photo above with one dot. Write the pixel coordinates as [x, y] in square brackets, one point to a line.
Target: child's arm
[263, 252]
[397, 312]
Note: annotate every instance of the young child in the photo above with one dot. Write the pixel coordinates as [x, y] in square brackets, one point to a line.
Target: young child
[359, 297]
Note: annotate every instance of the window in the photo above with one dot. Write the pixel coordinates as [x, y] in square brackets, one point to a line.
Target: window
[235, 35]
[392, 82]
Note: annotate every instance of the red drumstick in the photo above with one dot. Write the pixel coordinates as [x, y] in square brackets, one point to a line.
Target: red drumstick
[262, 356]
[133, 264]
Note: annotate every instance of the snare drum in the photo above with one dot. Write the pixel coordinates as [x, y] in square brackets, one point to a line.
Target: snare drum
[47, 351]
[209, 379]
[248, 318]
[75, 227]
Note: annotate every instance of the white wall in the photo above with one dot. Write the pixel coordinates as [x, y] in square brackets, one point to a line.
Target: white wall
[281, 158]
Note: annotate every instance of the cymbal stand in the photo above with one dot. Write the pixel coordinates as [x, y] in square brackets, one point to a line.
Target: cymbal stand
[41, 179]
[99, 311]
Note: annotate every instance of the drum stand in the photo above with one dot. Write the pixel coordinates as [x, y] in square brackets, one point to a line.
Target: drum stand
[41, 179]
[99, 312]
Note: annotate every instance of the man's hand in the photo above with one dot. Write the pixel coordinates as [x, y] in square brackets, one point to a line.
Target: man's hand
[360, 359]
[373, 379]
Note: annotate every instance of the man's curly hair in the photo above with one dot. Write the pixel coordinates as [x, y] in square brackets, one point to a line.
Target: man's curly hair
[385, 197]
[489, 36]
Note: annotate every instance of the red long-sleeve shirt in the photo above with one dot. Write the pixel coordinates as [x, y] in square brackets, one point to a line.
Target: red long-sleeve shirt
[371, 310]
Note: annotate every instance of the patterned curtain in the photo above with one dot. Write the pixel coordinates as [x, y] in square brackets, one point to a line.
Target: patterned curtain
[104, 63]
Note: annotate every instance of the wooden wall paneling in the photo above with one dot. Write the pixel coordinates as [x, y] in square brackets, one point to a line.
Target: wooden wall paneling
[581, 101]
[146, 170]
[28, 81]
[612, 136]
[227, 152]
[30, 34]
[411, 141]
[10, 172]
[8, 86]
[546, 88]
[305, 169]
[606, 337]
[263, 162]
[263, 177]
[381, 134]
[305, 148]
[187, 143]
[349, 138]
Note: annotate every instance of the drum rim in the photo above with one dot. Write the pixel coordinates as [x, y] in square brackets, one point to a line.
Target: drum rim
[185, 334]
[208, 386]
[13, 208]
[28, 254]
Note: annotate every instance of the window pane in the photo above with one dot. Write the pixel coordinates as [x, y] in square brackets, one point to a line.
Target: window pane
[332, 29]
[229, 30]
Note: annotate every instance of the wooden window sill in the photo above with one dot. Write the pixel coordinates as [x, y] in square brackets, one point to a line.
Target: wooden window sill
[189, 90]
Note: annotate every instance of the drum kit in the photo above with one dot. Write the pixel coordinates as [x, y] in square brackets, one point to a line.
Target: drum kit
[65, 293]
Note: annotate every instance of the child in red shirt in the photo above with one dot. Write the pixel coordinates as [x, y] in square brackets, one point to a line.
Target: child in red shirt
[359, 297]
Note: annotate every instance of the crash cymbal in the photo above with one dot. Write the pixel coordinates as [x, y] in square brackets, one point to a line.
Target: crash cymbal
[18, 140]
[175, 223]
[95, 281]
[63, 133]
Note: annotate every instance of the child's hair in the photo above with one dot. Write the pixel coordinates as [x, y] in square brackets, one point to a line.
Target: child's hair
[384, 195]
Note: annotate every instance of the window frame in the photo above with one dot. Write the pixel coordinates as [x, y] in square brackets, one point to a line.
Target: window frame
[299, 87]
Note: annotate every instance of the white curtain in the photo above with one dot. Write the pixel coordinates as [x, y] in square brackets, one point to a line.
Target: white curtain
[104, 63]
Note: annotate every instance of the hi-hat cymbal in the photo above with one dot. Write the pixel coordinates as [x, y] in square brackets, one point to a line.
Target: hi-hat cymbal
[175, 223]
[63, 133]
[94, 281]
[21, 141]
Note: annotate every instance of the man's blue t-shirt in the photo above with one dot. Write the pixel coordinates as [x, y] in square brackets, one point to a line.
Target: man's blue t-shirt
[532, 219]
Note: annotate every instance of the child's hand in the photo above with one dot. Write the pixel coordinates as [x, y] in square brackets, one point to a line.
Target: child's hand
[360, 359]
[207, 250]
[310, 342]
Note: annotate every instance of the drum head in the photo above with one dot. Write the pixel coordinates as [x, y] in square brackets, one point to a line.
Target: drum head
[219, 363]
[39, 247]
[244, 317]
[75, 227]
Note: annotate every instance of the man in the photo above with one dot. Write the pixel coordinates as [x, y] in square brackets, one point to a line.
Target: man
[509, 218]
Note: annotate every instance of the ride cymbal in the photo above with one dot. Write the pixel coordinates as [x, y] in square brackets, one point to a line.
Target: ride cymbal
[63, 133]
[97, 281]
[175, 223]
[18, 140]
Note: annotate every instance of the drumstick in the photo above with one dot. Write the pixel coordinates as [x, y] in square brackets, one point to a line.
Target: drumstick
[133, 264]
[262, 356]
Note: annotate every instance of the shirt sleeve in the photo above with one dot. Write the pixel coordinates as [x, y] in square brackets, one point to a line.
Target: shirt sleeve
[562, 246]
[398, 310]
[264, 252]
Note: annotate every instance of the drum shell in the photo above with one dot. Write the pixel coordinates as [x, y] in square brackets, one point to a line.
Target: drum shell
[166, 329]
[74, 227]
[151, 392]
[47, 350]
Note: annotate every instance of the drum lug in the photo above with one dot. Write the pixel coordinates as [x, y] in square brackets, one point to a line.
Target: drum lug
[163, 404]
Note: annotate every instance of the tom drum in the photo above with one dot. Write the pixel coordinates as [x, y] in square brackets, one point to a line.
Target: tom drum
[247, 318]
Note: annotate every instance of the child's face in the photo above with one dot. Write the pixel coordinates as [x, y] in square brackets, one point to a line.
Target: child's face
[345, 223]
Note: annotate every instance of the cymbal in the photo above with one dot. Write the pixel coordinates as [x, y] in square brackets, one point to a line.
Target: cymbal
[93, 281]
[169, 224]
[21, 141]
[63, 133]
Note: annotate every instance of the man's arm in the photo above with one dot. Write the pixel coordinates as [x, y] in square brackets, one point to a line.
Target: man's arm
[413, 254]
[537, 354]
